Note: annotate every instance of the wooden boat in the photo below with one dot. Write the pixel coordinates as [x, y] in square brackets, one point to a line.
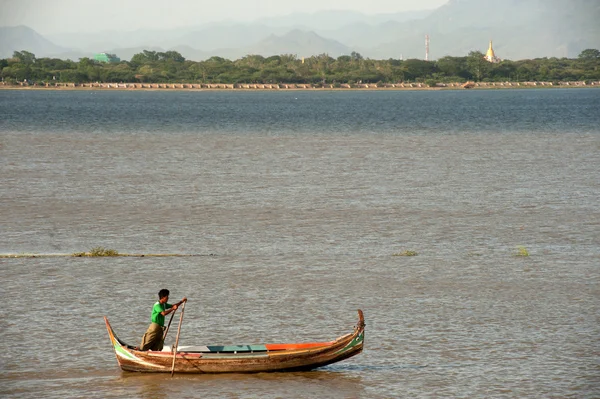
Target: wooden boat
[240, 358]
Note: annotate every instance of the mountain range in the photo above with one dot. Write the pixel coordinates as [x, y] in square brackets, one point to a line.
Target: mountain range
[520, 29]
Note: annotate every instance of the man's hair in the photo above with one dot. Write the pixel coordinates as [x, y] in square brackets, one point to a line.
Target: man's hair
[163, 293]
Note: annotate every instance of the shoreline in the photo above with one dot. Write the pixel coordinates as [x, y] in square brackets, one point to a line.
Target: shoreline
[295, 87]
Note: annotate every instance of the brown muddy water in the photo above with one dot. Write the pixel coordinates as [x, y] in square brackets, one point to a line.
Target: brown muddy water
[296, 206]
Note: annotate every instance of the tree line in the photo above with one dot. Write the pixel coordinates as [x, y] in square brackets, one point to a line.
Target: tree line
[172, 67]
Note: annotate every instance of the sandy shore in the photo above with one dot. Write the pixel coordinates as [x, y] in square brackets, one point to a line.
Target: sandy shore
[293, 87]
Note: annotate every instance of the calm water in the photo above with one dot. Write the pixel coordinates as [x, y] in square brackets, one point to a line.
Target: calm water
[296, 203]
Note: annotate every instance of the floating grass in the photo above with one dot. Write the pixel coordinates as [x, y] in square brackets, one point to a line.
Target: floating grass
[522, 251]
[98, 251]
[406, 253]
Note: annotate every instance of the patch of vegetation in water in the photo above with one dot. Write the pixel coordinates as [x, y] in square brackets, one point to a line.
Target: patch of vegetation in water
[98, 251]
[406, 253]
[522, 251]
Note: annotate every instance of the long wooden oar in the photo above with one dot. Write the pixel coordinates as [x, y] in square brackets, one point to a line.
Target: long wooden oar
[177, 340]
[168, 325]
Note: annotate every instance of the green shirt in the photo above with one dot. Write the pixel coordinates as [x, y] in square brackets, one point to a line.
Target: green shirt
[156, 316]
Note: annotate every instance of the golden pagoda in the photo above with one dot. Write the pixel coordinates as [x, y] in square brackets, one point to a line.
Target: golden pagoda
[490, 56]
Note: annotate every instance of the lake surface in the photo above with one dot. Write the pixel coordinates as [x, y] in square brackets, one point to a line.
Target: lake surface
[296, 205]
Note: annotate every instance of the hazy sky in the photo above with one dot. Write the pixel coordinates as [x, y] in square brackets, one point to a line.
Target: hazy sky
[52, 16]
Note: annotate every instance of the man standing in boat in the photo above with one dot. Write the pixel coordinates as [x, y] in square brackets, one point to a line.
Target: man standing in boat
[153, 338]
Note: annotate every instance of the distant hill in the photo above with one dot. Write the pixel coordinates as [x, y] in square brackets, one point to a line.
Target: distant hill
[17, 38]
[520, 29]
[110, 39]
[227, 36]
[303, 44]
[337, 19]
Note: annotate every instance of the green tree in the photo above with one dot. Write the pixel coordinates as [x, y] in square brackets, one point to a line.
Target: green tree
[24, 57]
[139, 59]
[72, 76]
[85, 62]
[454, 68]
[252, 61]
[355, 56]
[171, 56]
[418, 69]
[477, 65]
[506, 70]
[399, 72]
[150, 55]
[589, 54]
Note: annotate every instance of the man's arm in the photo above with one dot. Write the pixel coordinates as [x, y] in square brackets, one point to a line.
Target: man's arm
[174, 307]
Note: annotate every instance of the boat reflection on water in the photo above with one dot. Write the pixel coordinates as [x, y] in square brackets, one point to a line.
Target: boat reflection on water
[319, 383]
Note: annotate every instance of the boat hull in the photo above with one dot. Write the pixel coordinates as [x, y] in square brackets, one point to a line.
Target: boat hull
[248, 359]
